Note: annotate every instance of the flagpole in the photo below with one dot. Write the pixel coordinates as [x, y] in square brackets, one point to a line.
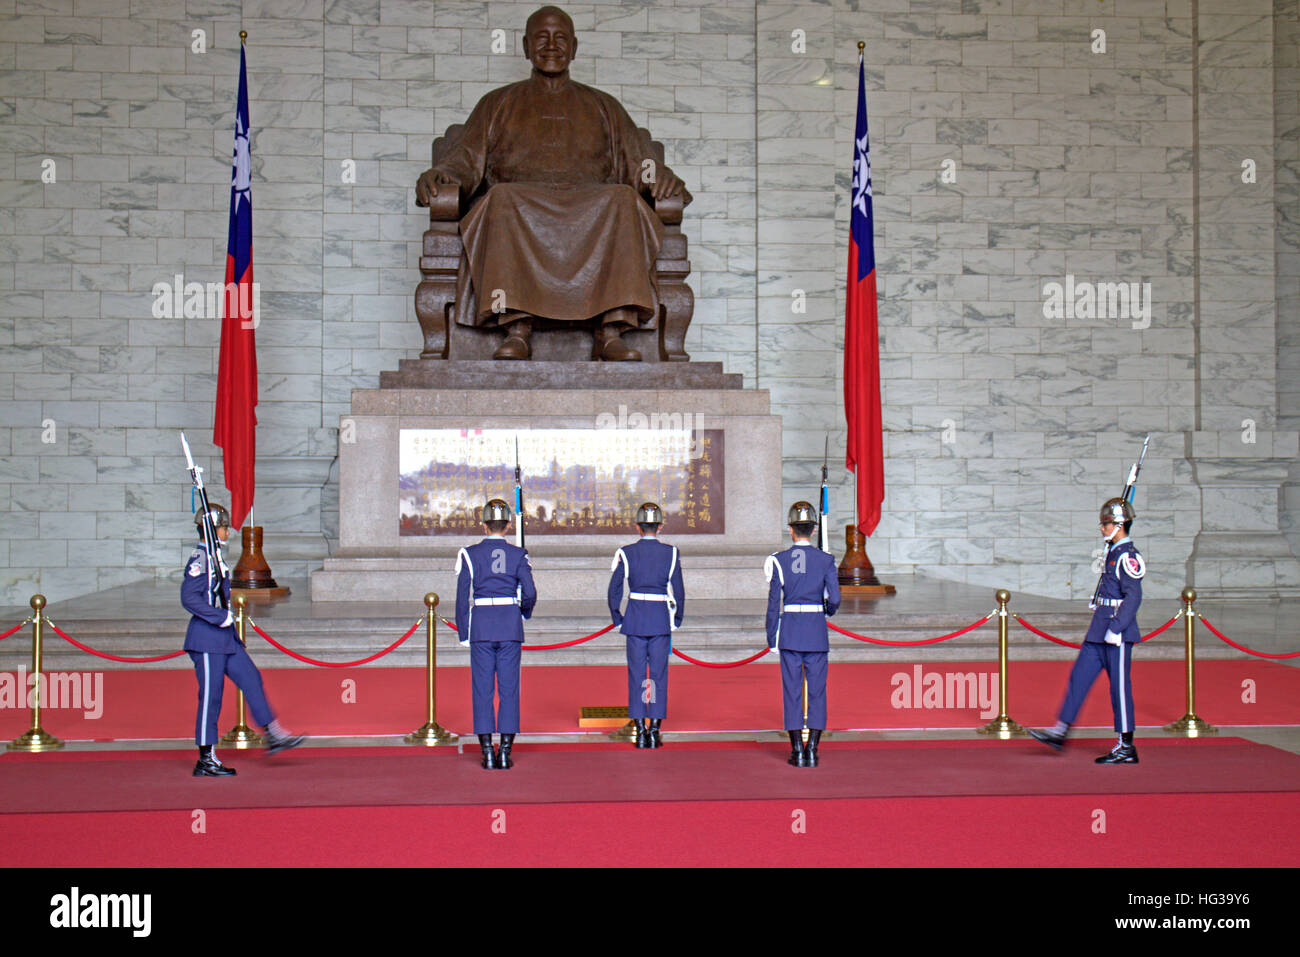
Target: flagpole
[862, 387]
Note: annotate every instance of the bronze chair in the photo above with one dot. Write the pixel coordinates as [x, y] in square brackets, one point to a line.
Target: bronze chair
[442, 257]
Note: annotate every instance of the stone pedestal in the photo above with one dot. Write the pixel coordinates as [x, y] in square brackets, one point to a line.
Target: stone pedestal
[1240, 551]
[374, 562]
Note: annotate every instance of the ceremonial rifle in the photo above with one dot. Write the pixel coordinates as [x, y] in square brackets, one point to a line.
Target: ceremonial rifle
[519, 500]
[1130, 489]
[824, 505]
[215, 594]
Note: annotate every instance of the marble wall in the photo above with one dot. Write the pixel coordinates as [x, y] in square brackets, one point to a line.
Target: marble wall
[1009, 150]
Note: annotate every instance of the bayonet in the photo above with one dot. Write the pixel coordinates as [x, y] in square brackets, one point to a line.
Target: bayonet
[1130, 488]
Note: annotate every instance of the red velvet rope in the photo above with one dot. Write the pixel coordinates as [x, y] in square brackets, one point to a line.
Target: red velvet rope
[1042, 634]
[336, 664]
[566, 644]
[1069, 644]
[12, 630]
[1257, 654]
[99, 654]
[563, 644]
[910, 644]
[721, 664]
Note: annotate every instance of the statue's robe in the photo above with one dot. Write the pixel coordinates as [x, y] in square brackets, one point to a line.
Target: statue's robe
[561, 232]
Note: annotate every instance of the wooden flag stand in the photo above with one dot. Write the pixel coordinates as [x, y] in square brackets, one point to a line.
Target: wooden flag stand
[252, 576]
[857, 576]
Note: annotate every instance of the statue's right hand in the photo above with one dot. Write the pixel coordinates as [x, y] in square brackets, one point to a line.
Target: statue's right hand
[427, 186]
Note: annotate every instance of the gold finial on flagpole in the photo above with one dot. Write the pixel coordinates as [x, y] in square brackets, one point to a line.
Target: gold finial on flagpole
[861, 45]
[243, 36]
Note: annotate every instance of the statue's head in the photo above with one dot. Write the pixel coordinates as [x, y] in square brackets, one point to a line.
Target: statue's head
[549, 41]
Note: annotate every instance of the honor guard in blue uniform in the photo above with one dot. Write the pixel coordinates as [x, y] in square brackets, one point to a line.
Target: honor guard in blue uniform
[494, 596]
[803, 590]
[1111, 636]
[656, 598]
[214, 647]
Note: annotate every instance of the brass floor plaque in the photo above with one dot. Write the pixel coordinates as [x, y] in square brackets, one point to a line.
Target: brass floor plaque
[606, 716]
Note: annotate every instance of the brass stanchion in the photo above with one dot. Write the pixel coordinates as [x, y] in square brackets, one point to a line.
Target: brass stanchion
[241, 735]
[36, 739]
[431, 732]
[1190, 724]
[803, 732]
[1002, 725]
[625, 733]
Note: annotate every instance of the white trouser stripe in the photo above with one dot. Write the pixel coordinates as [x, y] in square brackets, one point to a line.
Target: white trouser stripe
[203, 723]
[1123, 693]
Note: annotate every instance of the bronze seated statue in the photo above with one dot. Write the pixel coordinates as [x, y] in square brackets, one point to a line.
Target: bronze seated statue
[549, 209]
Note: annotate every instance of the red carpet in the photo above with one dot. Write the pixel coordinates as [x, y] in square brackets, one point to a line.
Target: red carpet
[370, 700]
[610, 773]
[1150, 830]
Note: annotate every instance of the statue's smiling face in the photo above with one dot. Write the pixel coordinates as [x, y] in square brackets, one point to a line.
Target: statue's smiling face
[550, 44]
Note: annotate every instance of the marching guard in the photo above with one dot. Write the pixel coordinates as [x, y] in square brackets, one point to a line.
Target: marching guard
[1111, 636]
[803, 590]
[652, 574]
[494, 596]
[215, 648]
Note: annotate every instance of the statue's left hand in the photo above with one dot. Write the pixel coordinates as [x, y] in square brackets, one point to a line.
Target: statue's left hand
[428, 184]
[667, 184]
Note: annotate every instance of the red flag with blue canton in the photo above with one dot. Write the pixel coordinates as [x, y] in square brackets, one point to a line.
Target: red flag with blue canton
[234, 429]
[866, 457]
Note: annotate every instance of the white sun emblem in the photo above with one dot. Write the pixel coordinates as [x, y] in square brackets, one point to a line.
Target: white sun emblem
[240, 176]
[861, 176]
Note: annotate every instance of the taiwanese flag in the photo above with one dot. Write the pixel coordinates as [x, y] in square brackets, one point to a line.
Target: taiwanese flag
[234, 429]
[862, 338]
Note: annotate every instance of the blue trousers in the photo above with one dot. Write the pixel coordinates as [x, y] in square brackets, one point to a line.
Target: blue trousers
[212, 670]
[647, 700]
[1094, 658]
[494, 667]
[793, 666]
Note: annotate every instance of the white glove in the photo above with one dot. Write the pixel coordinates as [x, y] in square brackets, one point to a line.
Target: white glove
[230, 620]
[1113, 638]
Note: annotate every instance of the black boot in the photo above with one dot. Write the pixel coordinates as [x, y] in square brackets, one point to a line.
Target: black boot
[1049, 737]
[655, 741]
[642, 735]
[489, 756]
[796, 759]
[276, 743]
[503, 759]
[810, 752]
[1123, 753]
[208, 766]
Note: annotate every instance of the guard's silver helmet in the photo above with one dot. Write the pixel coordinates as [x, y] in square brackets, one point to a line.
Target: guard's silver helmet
[220, 517]
[649, 514]
[1117, 510]
[496, 511]
[801, 512]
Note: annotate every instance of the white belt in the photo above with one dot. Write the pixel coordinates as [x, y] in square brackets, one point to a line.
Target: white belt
[1110, 602]
[646, 596]
[495, 601]
[803, 608]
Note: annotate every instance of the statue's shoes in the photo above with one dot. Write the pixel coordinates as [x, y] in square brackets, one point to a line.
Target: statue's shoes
[515, 347]
[616, 350]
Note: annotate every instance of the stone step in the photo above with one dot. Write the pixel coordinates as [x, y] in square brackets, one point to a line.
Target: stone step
[393, 579]
[459, 374]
